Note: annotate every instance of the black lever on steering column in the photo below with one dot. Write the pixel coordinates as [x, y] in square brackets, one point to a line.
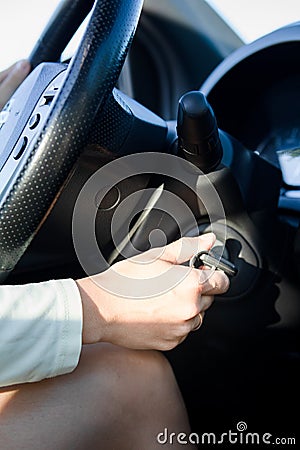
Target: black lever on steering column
[198, 135]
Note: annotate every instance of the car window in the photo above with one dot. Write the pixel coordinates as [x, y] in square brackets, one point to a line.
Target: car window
[251, 19]
[23, 21]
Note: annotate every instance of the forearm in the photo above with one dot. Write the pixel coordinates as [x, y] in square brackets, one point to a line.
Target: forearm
[40, 331]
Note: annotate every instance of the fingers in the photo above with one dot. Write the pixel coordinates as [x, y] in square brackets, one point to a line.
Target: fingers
[205, 302]
[5, 72]
[197, 322]
[212, 282]
[11, 78]
[183, 249]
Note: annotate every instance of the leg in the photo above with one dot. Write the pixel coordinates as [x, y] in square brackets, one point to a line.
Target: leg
[115, 399]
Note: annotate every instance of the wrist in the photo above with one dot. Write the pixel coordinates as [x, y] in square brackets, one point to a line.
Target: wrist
[94, 321]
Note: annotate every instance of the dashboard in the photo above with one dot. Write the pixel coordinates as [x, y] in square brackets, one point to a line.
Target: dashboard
[255, 94]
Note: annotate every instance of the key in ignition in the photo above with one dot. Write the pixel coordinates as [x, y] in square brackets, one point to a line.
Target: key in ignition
[216, 262]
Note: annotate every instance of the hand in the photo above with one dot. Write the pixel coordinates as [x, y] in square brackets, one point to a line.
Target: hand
[11, 78]
[160, 322]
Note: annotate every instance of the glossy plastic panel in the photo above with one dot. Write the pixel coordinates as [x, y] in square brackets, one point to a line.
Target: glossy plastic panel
[90, 78]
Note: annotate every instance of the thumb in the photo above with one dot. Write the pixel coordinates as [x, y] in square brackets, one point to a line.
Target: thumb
[183, 249]
[13, 79]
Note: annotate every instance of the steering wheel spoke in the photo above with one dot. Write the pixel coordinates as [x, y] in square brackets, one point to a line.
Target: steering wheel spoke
[30, 189]
[128, 127]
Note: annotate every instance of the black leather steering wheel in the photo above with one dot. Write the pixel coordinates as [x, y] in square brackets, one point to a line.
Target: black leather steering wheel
[49, 117]
[62, 25]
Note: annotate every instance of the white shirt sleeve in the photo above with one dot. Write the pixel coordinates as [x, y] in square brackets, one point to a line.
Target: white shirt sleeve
[40, 330]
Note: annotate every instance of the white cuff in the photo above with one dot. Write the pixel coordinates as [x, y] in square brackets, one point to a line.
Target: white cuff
[40, 330]
[69, 339]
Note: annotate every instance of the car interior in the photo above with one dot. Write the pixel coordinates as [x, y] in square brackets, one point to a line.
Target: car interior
[166, 89]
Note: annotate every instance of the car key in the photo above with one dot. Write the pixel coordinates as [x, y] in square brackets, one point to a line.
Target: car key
[208, 259]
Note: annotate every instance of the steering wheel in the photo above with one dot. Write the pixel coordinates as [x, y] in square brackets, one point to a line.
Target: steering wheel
[50, 115]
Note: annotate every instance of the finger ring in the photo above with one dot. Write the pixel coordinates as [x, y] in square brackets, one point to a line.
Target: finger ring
[198, 325]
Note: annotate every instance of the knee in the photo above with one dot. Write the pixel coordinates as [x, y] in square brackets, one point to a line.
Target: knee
[147, 370]
[132, 366]
[126, 389]
[129, 373]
